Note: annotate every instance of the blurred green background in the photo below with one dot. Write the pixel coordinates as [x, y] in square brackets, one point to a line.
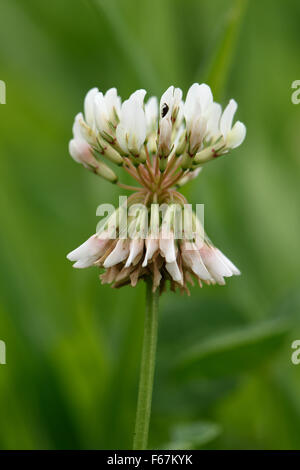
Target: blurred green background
[224, 379]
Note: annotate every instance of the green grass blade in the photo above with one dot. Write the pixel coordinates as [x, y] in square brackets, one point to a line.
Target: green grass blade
[219, 68]
[129, 45]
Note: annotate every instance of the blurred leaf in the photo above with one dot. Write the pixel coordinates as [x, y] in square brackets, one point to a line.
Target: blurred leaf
[219, 67]
[192, 436]
[233, 352]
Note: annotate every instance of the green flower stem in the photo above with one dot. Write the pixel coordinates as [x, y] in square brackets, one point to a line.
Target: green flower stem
[143, 412]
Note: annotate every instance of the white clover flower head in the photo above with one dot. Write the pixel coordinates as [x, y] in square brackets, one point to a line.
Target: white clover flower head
[162, 146]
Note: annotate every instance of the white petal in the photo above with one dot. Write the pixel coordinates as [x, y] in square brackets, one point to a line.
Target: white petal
[80, 151]
[121, 137]
[192, 258]
[138, 96]
[165, 136]
[198, 99]
[205, 96]
[83, 131]
[74, 151]
[84, 263]
[89, 107]
[167, 98]
[151, 112]
[189, 177]
[191, 103]
[174, 271]
[138, 133]
[119, 253]
[87, 253]
[195, 173]
[77, 127]
[152, 245]
[180, 115]
[177, 96]
[100, 113]
[227, 117]
[197, 131]
[167, 247]
[136, 247]
[214, 264]
[213, 114]
[229, 263]
[236, 136]
[132, 123]
[112, 101]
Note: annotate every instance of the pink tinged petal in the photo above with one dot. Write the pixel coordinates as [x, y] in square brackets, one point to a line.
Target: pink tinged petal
[228, 263]
[227, 117]
[214, 264]
[89, 107]
[91, 247]
[152, 245]
[192, 258]
[167, 248]
[87, 253]
[236, 136]
[174, 271]
[80, 151]
[119, 254]
[136, 247]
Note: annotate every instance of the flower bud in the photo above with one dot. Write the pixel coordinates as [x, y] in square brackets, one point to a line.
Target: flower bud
[106, 172]
[82, 153]
[109, 152]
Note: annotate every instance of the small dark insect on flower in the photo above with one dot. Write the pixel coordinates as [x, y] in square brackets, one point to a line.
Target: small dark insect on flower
[164, 110]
